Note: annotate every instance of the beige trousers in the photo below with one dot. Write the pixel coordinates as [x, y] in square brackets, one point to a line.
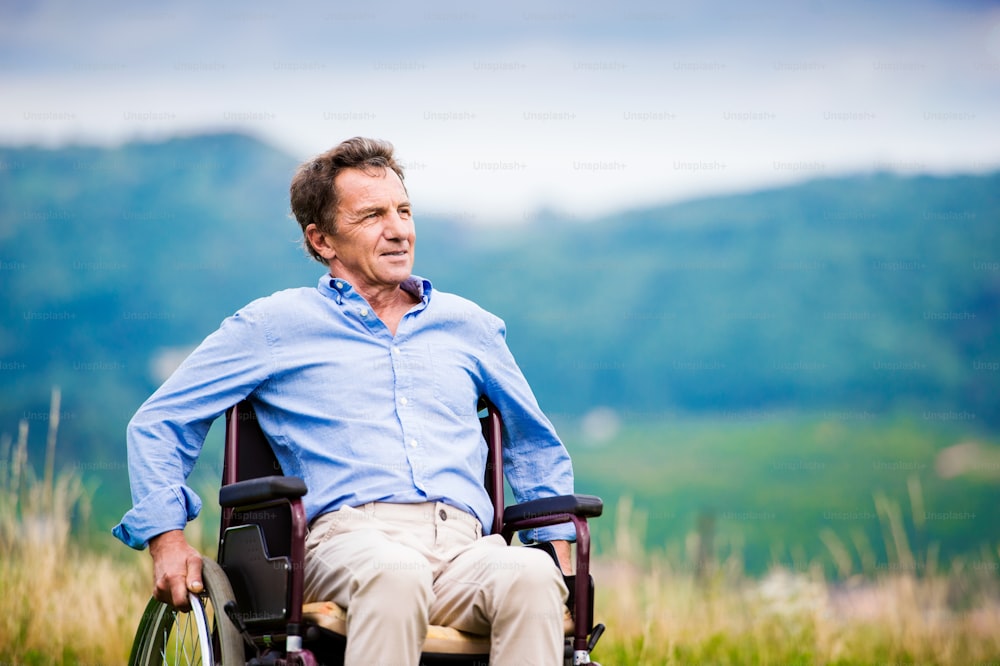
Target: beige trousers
[396, 568]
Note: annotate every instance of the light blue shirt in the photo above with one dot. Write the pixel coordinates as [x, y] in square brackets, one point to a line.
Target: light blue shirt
[359, 414]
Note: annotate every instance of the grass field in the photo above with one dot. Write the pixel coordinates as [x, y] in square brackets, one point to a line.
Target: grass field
[661, 612]
[72, 599]
[784, 489]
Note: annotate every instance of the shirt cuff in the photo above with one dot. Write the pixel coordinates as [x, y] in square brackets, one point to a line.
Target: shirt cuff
[561, 532]
[161, 511]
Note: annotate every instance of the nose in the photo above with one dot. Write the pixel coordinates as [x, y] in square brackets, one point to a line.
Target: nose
[396, 226]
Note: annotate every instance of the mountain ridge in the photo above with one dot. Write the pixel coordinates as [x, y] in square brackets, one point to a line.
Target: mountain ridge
[866, 294]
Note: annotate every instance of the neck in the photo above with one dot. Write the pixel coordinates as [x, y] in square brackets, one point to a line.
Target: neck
[388, 303]
[386, 299]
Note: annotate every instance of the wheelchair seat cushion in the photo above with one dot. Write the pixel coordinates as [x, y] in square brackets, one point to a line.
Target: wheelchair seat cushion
[440, 640]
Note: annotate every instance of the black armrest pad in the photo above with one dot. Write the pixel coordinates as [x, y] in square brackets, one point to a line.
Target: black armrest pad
[586, 506]
[252, 491]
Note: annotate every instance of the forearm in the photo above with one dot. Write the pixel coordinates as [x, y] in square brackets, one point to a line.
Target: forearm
[536, 463]
[564, 553]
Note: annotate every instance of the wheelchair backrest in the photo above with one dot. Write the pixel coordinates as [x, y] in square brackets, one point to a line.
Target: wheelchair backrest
[248, 454]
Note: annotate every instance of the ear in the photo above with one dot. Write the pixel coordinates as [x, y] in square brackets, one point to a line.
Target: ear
[321, 242]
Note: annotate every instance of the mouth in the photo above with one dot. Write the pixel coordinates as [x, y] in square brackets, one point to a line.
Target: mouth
[397, 253]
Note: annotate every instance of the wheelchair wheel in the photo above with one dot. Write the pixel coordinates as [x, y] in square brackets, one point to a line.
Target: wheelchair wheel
[204, 635]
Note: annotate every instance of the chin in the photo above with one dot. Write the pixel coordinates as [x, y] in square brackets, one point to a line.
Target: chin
[398, 277]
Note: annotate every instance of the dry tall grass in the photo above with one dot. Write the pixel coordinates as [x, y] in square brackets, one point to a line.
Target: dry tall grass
[658, 612]
[656, 615]
[62, 603]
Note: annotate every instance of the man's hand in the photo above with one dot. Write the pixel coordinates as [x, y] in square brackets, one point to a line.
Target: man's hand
[176, 569]
[565, 554]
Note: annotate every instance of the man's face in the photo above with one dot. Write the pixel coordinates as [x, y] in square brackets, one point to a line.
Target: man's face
[373, 245]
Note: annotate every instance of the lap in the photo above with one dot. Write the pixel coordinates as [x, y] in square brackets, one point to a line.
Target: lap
[470, 576]
[345, 550]
[486, 577]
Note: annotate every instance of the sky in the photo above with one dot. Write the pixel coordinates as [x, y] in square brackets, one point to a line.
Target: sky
[500, 110]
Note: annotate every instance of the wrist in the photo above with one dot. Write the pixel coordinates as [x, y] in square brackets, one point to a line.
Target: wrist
[166, 540]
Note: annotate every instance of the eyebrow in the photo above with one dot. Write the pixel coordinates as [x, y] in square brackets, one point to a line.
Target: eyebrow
[380, 208]
[361, 213]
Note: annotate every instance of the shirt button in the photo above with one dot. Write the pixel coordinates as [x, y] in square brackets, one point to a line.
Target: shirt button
[340, 285]
[395, 350]
[363, 312]
[403, 401]
[442, 514]
[413, 443]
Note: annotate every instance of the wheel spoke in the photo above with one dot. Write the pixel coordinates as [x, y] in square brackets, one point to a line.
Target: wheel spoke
[200, 636]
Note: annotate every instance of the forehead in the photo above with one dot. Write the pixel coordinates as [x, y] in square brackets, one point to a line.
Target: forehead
[378, 186]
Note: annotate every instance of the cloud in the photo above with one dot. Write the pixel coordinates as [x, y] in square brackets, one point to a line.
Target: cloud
[500, 110]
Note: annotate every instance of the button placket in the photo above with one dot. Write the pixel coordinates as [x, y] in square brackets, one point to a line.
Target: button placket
[403, 389]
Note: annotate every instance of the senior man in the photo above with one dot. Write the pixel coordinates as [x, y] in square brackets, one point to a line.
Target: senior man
[367, 388]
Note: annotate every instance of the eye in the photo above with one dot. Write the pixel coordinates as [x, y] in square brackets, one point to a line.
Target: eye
[405, 211]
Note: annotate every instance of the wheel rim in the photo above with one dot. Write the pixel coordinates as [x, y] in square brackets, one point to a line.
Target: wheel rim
[190, 642]
[204, 646]
[181, 639]
[202, 636]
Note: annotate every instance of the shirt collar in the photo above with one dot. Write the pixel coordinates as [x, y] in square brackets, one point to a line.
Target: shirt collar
[337, 288]
[419, 287]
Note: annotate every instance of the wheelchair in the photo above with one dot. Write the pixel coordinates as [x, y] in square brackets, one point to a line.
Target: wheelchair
[251, 610]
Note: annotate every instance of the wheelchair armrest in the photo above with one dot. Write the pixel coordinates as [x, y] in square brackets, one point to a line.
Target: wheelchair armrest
[263, 489]
[584, 506]
[551, 511]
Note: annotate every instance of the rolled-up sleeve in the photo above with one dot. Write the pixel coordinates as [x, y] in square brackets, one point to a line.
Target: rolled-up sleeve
[166, 434]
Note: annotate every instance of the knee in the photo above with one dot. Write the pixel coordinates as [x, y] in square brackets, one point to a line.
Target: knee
[536, 578]
[532, 593]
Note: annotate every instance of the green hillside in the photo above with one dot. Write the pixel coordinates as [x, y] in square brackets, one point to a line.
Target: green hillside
[870, 293]
[875, 295]
[788, 488]
[111, 256]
